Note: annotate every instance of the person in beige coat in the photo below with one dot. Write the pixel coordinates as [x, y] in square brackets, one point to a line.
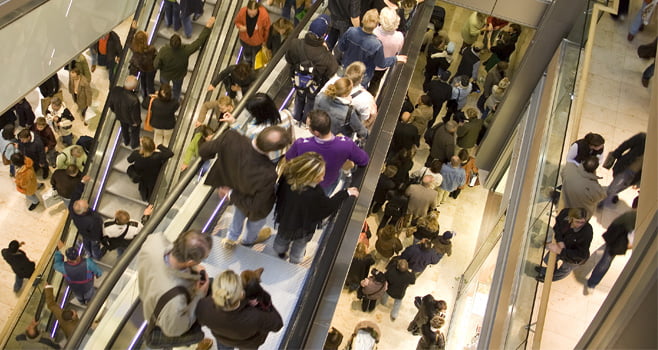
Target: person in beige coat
[80, 90]
[580, 186]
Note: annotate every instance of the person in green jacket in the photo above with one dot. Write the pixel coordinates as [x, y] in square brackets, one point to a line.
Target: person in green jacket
[203, 133]
[172, 59]
[72, 155]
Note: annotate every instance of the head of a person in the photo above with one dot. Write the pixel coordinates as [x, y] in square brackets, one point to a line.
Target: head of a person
[206, 134]
[451, 126]
[447, 235]
[425, 100]
[252, 8]
[477, 47]
[72, 254]
[241, 72]
[320, 122]
[121, 217]
[436, 166]
[402, 265]
[441, 305]
[17, 159]
[481, 16]
[370, 20]
[140, 42]
[425, 244]
[175, 42]
[590, 164]
[463, 155]
[77, 151]
[390, 170]
[25, 136]
[130, 83]
[577, 217]
[8, 132]
[72, 170]
[147, 146]
[80, 207]
[387, 232]
[263, 109]
[462, 81]
[225, 104]
[41, 123]
[502, 66]
[283, 26]
[273, 138]
[340, 88]
[472, 113]
[439, 42]
[594, 141]
[355, 72]
[305, 170]
[389, 19]
[361, 251]
[444, 76]
[164, 93]
[429, 221]
[227, 290]
[74, 73]
[427, 180]
[69, 315]
[56, 103]
[191, 248]
[13, 246]
[515, 29]
[32, 332]
[455, 161]
[320, 26]
[505, 38]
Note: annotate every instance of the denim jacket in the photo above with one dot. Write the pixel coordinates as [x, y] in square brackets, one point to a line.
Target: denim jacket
[357, 45]
[337, 108]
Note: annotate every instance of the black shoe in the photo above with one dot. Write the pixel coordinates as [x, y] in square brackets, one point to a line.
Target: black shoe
[282, 255]
[645, 83]
[33, 206]
[615, 199]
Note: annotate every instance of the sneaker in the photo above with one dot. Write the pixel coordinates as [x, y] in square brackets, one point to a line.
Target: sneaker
[205, 344]
[33, 206]
[229, 243]
[587, 290]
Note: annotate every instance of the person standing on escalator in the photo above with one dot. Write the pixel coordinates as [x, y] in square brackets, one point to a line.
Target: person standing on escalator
[145, 166]
[106, 52]
[253, 23]
[123, 101]
[78, 272]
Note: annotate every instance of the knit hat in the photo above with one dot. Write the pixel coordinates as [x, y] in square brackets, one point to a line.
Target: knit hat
[71, 253]
[320, 25]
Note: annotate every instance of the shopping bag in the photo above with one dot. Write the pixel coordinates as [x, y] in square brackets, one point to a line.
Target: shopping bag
[50, 198]
[262, 58]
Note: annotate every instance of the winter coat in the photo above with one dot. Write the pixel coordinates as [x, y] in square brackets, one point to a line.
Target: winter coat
[63, 183]
[627, 153]
[148, 168]
[125, 105]
[388, 247]
[34, 149]
[398, 282]
[163, 114]
[262, 30]
[47, 136]
[83, 99]
[172, 63]
[616, 236]
[576, 243]
[312, 48]
[421, 199]
[359, 269]
[581, 189]
[64, 159]
[419, 259]
[20, 264]
[467, 134]
[26, 178]
[372, 289]
[443, 145]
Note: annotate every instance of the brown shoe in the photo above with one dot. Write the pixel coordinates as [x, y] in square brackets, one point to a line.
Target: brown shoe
[264, 234]
[205, 344]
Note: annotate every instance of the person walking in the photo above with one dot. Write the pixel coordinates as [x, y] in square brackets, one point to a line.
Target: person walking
[399, 278]
[22, 266]
[26, 179]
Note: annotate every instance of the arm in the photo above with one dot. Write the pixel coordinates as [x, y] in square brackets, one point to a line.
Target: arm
[52, 304]
[358, 156]
[58, 265]
[357, 125]
[165, 153]
[222, 75]
[196, 44]
[326, 206]
[192, 149]
[204, 111]
[133, 156]
[94, 268]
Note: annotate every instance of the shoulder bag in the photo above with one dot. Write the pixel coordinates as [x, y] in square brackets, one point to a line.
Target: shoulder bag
[154, 336]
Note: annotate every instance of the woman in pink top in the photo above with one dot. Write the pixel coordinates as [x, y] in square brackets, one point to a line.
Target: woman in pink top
[391, 39]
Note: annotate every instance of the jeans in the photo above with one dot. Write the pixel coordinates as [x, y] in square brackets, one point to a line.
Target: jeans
[253, 227]
[601, 268]
[636, 22]
[395, 311]
[619, 183]
[297, 250]
[249, 53]
[130, 134]
[172, 14]
[66, 201]
[330, 189]
[18, 284]
[147, 82]
[289, 5]
[187, 25]
[304, 102]
[32, 198]
[562, 272]
[86, 298]
[12, 170]
[176, 87]
[93, 248]
[221, 346]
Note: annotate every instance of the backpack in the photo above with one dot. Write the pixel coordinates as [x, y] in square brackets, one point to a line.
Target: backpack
[303, 77]
[87, 143]
[429, 134]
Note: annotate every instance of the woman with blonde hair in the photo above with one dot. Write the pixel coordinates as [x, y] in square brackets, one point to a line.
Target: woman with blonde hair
[392, 40]
[146, 164]
[337, 102]
[360, 267]
[297, 219]
[232, 319]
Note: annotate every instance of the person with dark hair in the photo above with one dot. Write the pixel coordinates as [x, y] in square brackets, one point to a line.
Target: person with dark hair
[26, 179]
[88, 222]
[467, 133]
[47, 136]
[421, 115]
[384, 185]
[439, 58]
[22, 266]
[580, 185]
[9, 145]
[162, 266]
[573, 236]
[626, 163]
[245, 175]
[64, 181]
[443, 243]
[428, 308]
[78, 272]
[470, 62]
[106, 52]
[24, 112]
[142, 60]
[344, 14]
[31, 146]
[372, 289]
[431, 335]
[202, 134]
[310, 51]
[502, 49]
[590, 145]
[146, 163]
[253, 23]
[172, 59]
[237, 79]
[123, 101]
[163, 115]
[618, 239]
[399, 277]
[443, 142]
[440, 92]
[30, 338]
[68, 318]
[405, 135]
[334, 339]
[461, 88]
[420, 256]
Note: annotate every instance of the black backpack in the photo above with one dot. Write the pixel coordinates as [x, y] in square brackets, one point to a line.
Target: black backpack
[429, 134]
[303, 77]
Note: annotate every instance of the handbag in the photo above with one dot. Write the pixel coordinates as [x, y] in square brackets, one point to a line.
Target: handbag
[147, 122]
[262, 58]
[154, 336]
[5, 160]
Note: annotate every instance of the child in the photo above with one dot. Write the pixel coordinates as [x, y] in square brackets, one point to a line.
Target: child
[203, 133]
[223, 104]
[60, 119]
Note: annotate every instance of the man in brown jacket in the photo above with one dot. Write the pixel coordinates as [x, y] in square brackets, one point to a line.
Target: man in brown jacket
[67, 318]
[244, 174]
[580, 185]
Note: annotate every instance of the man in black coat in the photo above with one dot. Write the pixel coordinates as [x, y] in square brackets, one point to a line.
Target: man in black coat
[344, 14]
[123, 101]
[573, 236]
[470, 62]
[19, 262]
[627, 169]
[313, 50]
[31, 145]
[399, 277]
[439, 92]
[106, 52]
[88, 222]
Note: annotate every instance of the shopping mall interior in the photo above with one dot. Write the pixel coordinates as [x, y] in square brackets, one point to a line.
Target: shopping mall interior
[573, 72]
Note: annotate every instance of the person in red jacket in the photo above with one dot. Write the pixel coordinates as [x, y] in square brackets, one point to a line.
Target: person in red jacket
[253, 22]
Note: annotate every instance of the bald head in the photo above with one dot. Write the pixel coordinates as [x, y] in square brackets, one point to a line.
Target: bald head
[80, 207]
[273, 138]
[130, 83]
[455, 161]
[427, 180]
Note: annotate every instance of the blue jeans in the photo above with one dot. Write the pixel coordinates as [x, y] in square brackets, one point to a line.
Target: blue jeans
[562, 272]
[601, 268]
[176, 87]
[330, 189]
[297, 250]
[172, 14]
[637, 20]
[187, 25]
[249, 53]
[253, 227]
[18, 284]
[32, 198]
[93, 248]
[619, 183]
[86, 298]
[304, 102]
[395, 311]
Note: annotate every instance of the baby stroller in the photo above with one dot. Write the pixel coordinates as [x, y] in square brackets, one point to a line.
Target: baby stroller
[365, 336]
